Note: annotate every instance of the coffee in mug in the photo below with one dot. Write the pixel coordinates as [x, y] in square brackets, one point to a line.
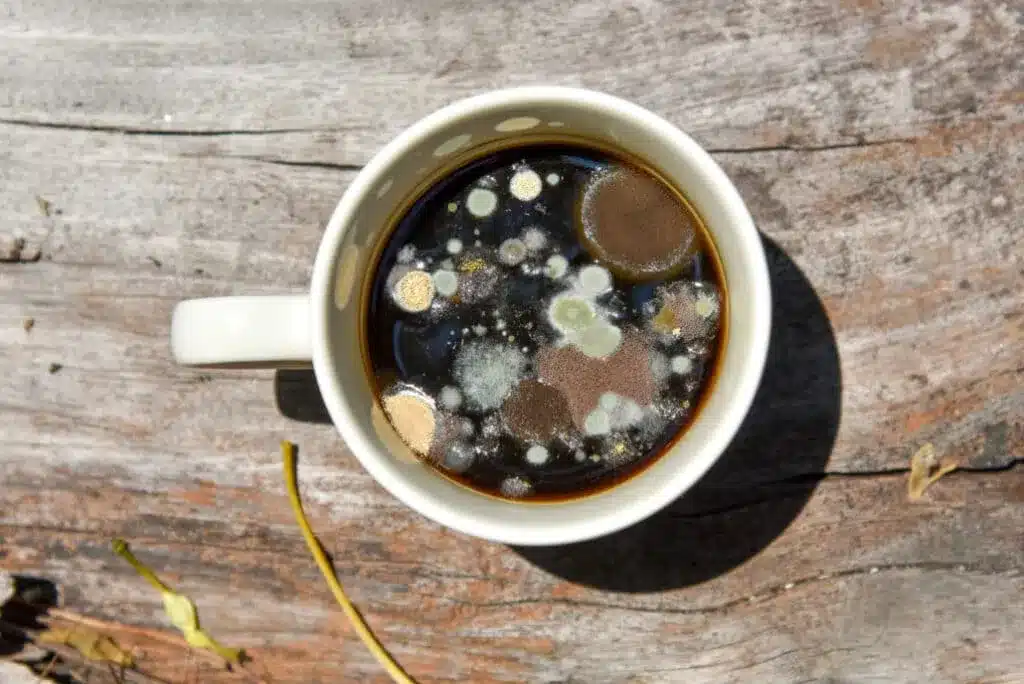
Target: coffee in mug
[544, 320]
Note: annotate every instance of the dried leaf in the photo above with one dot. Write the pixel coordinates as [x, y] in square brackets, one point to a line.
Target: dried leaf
[182, 612]
[180, 609]
[44, 205]
[90, 643]
[925, 470]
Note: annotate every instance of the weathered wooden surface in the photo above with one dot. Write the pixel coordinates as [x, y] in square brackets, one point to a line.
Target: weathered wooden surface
[190, 149]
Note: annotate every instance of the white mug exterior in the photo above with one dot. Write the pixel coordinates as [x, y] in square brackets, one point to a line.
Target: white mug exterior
[346, 255]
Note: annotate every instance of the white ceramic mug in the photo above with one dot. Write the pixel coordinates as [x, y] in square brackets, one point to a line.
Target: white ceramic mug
[324, 327]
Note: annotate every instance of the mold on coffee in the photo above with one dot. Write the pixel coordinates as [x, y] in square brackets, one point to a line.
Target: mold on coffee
[545, 321]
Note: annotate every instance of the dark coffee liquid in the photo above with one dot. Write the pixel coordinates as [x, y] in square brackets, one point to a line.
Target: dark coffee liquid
[543, 322]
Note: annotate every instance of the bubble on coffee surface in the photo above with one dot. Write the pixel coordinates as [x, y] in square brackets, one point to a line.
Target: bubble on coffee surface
[526, 347]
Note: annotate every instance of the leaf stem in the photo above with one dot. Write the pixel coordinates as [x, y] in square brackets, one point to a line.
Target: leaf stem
[122, 550]
[367, 636]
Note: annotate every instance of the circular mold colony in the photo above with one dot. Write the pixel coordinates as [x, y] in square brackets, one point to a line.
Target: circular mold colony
[635, 224]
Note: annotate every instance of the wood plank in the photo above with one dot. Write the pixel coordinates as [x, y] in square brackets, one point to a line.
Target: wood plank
[862, 585]
[187, 149]
[737, 75]
[881, 277]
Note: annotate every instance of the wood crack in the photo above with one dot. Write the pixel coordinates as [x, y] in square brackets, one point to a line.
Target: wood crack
[790, 651]
[716, 665]
[284, 548]
[766, 595]
[1008, 465]
[330, 166]
[814, 479]
[797, 480]
[826, 147]
[752, 664]
[222, 132]
[138, 130]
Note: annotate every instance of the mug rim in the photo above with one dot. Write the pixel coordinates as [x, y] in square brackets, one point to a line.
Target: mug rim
[632, 511]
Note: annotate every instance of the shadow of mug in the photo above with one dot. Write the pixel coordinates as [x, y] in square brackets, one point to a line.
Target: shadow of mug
[298, 396]
[751, 494]
[757, 487]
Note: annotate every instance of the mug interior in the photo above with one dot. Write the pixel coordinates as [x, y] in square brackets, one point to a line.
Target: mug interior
[436, 145]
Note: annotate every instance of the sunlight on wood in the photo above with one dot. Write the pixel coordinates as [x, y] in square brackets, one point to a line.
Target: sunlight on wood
[90, 643]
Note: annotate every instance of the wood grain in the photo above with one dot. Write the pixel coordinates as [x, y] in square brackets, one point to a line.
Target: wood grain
[889, 252]
[735, 74]
[826, 599]
[190, 149]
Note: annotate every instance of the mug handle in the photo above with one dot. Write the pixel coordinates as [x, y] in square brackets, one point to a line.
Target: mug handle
[243, 332]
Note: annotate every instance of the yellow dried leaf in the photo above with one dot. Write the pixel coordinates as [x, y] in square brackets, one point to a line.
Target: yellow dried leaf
[180, 609]
[90, 643]
[925, 470]
[44, 205]
[182, 612]
[200, 638]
